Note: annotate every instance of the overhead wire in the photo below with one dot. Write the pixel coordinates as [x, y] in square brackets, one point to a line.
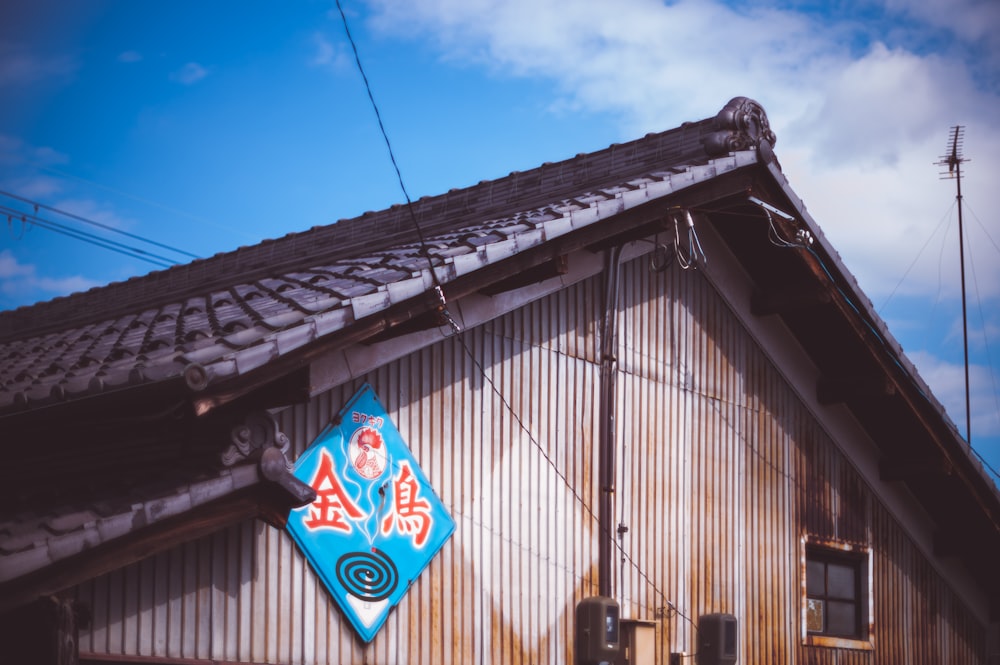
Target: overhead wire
[982, 318]
[562, 476]
[883, 342]
[443, 306]
[914, 262]
[774, 236]
[981, 225]
[104, 243]
[142, 200]
[458, 331]
[106, 227]
[694, 254]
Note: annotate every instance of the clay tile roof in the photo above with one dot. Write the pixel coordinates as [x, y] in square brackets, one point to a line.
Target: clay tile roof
[237, 311]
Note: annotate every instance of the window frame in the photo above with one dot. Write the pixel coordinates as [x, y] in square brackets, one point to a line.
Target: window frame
[860, 556]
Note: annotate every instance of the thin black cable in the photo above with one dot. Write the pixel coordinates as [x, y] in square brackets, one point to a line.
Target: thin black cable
[982, 319]
[388, 145]
[981, 225]
[917, 258]
[106, 227]
[460, 336]
[873, 328]
[41, 222]
[88, 238]
[139, 199]
[524, 428]
[979, 303]
[879, 336]
[885, 345]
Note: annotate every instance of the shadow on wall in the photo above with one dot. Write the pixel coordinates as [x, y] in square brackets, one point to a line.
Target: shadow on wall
[138, 609]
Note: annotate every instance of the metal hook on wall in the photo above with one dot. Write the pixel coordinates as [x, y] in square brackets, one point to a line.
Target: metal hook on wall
[691, 254]
[662, 256]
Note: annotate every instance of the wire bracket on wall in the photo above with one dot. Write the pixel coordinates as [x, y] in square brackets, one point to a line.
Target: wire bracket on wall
[803, 237]
[691, 254]
[662, 256]
[442, 309]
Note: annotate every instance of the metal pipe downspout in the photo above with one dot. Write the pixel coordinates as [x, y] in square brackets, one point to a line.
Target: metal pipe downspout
[606, 440]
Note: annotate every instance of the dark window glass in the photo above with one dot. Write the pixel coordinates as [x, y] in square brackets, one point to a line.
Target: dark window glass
[840, 579]
[841, 618]
[836, 594]
[815, 577]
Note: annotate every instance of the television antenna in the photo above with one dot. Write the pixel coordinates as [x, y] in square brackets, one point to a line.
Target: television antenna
[953, 159]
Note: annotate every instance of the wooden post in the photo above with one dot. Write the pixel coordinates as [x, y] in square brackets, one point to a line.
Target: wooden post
[43, 632]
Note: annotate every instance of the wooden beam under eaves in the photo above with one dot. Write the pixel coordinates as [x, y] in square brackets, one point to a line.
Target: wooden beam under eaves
[948, 543]
[419, 323]
[140, 543]
[554, 268]
[960, 538]
[840, 390]
[783, 301]
[926, 468]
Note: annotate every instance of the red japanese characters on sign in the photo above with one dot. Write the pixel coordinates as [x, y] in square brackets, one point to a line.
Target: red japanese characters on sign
[376, 522]
[332, 504]
[366, 419]
[410, 514]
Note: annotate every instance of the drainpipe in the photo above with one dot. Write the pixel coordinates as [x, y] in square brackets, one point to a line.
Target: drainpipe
[606, 440]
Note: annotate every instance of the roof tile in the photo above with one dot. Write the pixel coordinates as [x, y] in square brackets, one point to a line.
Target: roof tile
[236, 311]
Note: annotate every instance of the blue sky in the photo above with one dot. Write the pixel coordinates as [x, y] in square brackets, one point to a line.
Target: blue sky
[207, 126]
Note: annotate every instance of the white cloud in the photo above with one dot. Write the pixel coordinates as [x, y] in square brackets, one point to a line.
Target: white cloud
[651, 62]
[129, 57]
[947, 381]
[858, 127]
[33, 187]
[28, 183]
[974, 21]
[189, 74]
[328, 55]
[881, 104]
[91, 210]
[862, 111]
[11, 269]
[20, 66]
[13, 150]
[17, 278]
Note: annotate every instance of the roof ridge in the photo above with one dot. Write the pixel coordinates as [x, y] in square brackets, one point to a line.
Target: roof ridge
[694, 141]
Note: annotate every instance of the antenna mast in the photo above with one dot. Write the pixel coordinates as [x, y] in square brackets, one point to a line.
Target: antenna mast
[953, 159]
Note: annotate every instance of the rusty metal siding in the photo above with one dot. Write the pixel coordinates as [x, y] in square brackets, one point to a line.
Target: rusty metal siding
[721, 473]
[918, 620]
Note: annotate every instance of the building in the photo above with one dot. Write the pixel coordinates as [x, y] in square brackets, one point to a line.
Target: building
[641, 371]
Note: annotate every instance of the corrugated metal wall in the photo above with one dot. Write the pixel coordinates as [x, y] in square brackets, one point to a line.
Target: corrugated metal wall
[721, 472]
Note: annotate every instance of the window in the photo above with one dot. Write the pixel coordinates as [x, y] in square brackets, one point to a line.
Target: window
[837, 600]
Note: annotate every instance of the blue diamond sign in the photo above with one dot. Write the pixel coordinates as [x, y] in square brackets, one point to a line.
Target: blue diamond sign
[376, 522]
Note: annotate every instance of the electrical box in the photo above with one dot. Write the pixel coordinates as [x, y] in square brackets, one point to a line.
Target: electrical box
[717, 639]
[597, 631]
[638, 643]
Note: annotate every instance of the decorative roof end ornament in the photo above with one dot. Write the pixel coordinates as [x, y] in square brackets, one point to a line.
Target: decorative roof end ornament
[742, 124]
[258, 439]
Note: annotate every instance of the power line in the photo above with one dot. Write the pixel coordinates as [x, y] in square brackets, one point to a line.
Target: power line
[915, 259]
[989, 363]
[139, 199]
[981, 225]
[562, 476]
[388, 145]
[954, 160]
[37, 206]
[104, 243]
[460, 337]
